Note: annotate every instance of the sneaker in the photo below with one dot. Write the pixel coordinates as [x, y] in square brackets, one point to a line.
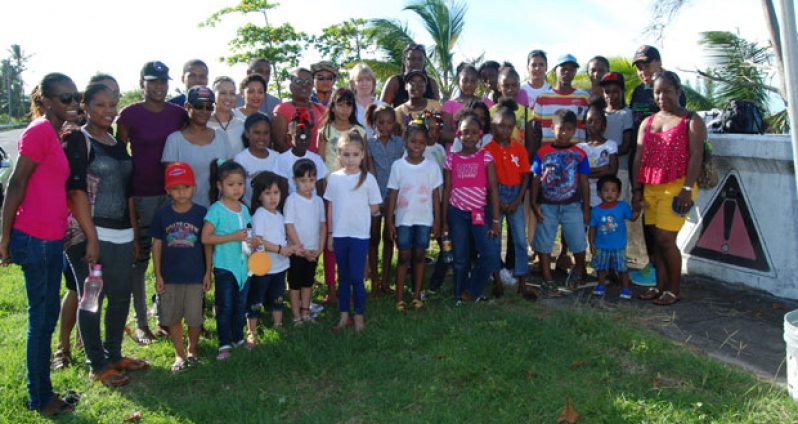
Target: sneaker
[626, 294]
[507, 278]
[315, 309]
[645, 277]
[599, 290]
[459, 302]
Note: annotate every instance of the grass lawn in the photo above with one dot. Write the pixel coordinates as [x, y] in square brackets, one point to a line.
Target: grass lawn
[510, 361]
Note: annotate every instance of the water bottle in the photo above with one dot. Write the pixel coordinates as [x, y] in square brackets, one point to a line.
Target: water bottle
[92, 287]
[245, 249]
[446, 246]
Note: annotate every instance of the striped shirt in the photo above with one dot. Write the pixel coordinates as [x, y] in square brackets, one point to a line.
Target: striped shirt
[549, 102]
[469, 179]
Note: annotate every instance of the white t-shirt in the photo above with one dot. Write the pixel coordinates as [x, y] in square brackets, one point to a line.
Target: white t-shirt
[271, 227]
[533, 93]
[351, 216]
[253, 165]
[618, 122]
[306, 215]
[415, 184]
[234, 130]
[285, 166]
[598, 156]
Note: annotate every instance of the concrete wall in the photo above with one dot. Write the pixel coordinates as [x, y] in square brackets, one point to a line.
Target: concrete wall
[745, 230]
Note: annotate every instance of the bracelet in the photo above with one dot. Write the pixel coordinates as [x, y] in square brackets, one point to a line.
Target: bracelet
[279, 248]
[687, 188]
[496, 221]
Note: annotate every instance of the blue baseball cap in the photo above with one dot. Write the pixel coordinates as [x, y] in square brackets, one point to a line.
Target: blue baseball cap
[567, 58]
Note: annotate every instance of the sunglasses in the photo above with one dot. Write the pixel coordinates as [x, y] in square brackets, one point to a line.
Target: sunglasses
[68, 98]
[323, 78]
[300, 81]
[208, 107]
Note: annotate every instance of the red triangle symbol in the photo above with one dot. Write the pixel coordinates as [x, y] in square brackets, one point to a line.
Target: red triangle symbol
[738, 243]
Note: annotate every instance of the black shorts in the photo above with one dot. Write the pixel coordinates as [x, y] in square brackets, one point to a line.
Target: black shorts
[70, 279]
[302, 273]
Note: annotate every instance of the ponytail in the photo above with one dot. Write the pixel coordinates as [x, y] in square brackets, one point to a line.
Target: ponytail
[220, 169]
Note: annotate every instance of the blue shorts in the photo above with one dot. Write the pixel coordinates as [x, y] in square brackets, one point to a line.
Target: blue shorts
[412, 237]
[572, 219]
[610, 259]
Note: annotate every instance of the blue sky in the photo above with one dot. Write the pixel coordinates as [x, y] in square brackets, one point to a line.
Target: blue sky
[83, 37]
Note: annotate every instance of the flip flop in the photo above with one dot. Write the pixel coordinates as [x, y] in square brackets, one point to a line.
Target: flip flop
[666, 299]
[179, 366]
[650, 294]
[130, 364]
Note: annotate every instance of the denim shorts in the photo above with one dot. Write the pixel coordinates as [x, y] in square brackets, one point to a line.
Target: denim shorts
[610, 259]
[571, 217]
[412, 237]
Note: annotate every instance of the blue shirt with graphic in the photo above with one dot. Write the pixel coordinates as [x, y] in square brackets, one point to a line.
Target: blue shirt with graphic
[559, 168]
[181, 250]
[229, 256]
[610, 224]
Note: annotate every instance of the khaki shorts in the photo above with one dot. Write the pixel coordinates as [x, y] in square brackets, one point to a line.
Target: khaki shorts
[659, 205]
[182, 301]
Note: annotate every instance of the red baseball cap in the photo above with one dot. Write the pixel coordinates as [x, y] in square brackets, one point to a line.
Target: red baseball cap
[178, 173]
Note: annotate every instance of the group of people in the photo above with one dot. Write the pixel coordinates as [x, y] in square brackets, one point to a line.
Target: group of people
[224, 171]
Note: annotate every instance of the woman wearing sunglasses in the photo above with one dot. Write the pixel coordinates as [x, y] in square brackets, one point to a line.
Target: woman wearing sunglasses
[414, 58]
[196, 144]
[33, 226]
[301, 86]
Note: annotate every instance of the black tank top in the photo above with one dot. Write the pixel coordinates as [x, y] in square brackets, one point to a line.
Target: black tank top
[401, 93]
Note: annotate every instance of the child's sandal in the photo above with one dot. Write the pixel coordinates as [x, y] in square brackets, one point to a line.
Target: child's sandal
[251, 342]
[417, 304]
[401, 306]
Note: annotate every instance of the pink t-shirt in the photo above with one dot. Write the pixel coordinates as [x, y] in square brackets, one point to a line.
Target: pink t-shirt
[43, 212]
[469, 179]
[665, 154]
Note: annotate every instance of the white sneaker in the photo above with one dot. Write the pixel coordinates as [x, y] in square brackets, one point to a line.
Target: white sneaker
[315, 309]
[507, 278]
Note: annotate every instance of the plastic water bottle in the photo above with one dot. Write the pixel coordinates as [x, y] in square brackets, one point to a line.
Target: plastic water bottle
[245, 249]
[446, 245]
[92, 287]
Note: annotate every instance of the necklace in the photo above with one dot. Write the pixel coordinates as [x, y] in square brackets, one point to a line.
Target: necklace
[104, 137]
[224, 126]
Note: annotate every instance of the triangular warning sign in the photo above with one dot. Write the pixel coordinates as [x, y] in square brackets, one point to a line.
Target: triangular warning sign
[728, 232]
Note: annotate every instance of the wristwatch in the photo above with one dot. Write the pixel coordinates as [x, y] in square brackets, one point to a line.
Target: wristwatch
[687, 188]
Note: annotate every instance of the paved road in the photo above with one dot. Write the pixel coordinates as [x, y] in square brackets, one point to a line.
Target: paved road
[8, 141]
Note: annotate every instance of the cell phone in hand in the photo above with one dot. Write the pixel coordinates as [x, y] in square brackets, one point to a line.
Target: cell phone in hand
[675, 207]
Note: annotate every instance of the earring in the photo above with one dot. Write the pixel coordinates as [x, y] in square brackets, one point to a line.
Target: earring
[457, 133]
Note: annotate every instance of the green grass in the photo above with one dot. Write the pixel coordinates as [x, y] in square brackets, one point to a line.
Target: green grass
[511, 361]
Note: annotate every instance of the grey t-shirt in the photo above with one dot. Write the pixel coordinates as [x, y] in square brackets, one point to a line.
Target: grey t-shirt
[178, 149]
[618, 122]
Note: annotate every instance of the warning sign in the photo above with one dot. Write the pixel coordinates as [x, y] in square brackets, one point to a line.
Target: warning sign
[729, 234]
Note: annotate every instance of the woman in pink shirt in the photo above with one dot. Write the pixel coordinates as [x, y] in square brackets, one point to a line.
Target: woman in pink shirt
[666, 166]
[34, 223]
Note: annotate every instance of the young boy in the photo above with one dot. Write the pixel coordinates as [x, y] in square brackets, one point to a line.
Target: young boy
[306, 227]
[607, 234]
[560, 196]
[177, 252]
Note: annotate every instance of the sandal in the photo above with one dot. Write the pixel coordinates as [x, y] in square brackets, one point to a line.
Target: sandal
[192, 359]
[224, 353]
[251, 341]
[666, 299]
[129, 364]
[401, 306]
[144, 336]
[58, 406]
[650, 294]
[179, 366]
[417, 304]
[110, 377]
[61, 359]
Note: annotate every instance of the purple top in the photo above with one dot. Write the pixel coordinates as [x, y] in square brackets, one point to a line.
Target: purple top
[147, 132]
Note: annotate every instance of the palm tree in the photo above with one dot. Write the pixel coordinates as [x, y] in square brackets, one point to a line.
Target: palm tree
[391, 36]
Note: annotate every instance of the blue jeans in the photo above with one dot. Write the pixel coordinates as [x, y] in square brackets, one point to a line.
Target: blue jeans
[231, 303]
[350, 256]
[412, 237]
[267, 289]
[42, 263]
[516, 223]
[461, 229]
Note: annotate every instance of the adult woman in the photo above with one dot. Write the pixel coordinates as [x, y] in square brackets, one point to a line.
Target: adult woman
[145, 126]
[414, 58]
[253, 90]
[363, 82]
[34, 222]
[196, 144]
[223, 118]
[537, 64]
[102, 170]
[666, 166]
[300, 87]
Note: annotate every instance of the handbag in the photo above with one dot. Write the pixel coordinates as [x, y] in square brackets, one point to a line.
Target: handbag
[74, 235]
[708, 178]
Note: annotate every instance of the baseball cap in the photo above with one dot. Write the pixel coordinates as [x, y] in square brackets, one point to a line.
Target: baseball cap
[178, 173]
[200, 94]
[323, 66]
[413, 73]
[646, 53]
[612, 78]
[567, 58]
[155, 70]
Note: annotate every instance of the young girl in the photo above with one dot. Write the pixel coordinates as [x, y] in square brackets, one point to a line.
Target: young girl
[415, 81]
[481, 111]
[306, 228]
[257, 155]
[509, 86]
[467, 77]
[620, 124]
[414, 198]
[512, 173]
[353, 195]
[341, 117]
[224, 229]
[470, 180]
[268, 225]
[601, 152]
[384, 149]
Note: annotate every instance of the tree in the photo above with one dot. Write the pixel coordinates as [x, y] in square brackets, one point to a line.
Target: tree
[345, 43]
[281, 45]
[12, 90]
[390, 36]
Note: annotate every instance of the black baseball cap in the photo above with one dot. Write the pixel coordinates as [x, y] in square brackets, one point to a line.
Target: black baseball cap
[415, 72]
[155, 70]
[646, 53]
[200, 94]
